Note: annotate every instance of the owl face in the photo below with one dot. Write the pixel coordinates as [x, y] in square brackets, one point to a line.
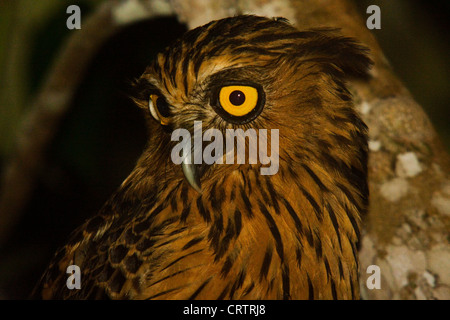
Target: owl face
[257, 73]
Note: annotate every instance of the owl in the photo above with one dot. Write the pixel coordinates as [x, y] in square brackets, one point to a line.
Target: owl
[184, 228]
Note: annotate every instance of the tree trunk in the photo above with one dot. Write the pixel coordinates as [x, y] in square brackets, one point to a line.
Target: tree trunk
[406, 233]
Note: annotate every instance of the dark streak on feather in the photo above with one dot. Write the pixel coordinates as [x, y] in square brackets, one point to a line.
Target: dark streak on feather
[202, 286]
[273, 229]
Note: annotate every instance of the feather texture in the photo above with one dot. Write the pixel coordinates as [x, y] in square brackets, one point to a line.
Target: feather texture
[292, 235]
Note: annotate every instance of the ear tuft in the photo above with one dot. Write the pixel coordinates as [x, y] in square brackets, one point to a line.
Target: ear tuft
[352, 57]
[344, 52]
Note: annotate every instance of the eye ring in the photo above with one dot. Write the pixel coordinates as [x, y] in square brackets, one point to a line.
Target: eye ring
[159, 109]
[238, 103]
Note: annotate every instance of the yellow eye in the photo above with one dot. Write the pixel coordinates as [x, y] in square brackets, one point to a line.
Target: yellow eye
[159, 108]
[238, 100]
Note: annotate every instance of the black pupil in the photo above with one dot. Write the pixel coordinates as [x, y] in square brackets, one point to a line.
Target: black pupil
[237, 97]
[163, 107]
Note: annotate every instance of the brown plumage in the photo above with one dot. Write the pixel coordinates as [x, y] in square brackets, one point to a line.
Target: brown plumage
[291, 235]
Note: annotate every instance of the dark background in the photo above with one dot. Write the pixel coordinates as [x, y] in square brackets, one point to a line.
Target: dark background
[104, 133]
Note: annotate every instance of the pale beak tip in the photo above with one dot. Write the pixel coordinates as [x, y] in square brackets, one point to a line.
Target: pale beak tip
[191, 175]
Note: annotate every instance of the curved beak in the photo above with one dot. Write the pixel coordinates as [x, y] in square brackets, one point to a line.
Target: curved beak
[191, 174]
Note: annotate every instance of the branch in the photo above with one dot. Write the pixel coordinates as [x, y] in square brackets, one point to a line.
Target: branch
[41, 124]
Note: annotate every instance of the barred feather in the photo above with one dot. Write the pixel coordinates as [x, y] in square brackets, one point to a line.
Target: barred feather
[293, 235]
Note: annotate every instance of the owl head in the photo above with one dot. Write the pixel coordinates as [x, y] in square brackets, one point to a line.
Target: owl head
[250, 72]
[236, 232]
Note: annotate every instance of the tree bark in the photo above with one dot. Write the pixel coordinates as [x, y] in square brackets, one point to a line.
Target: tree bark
[406, 232]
